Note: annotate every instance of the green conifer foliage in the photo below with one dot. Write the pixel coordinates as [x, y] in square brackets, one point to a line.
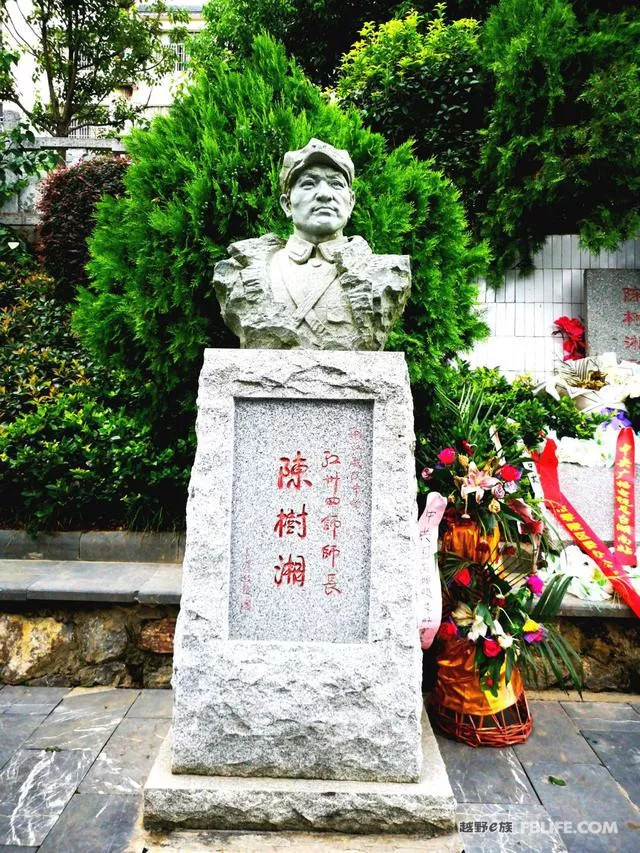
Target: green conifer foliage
[207, 174]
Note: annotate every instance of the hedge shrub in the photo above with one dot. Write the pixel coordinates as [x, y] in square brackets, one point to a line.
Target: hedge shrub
[206, 174]
[416, 78]
[39, 354]
[77, 462]
[68, 198]
[561, 150]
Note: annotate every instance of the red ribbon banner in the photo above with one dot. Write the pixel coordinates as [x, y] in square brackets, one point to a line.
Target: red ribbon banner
[624, 506]
[582, 534]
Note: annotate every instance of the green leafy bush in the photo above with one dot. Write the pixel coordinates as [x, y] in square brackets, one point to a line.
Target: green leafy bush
[206, 174]
[68, 197]
[517, 412]
[77, 462]
[560, 152]
[419, 78]
[316, 32]
[39, 354]
[76, 448]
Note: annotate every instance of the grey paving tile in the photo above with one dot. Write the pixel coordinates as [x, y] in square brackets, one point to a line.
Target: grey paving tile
[113, 699]
[586, 712]
[83, 721]
[35, 786]
[82, 581]
[481, 775]
[163, 587]
[124, 764]
[14, 730]
[12, 849]
[555, 736]
[500, 828]
[25, 829]
[92, 822]
[620, 754]
[32, 700]
[589, 799]
[152, 703]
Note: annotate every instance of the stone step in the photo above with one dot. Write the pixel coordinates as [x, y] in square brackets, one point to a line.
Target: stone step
[90, 581]
[160, 583]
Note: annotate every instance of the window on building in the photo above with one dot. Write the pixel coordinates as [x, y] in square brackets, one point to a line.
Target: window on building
[182, 55]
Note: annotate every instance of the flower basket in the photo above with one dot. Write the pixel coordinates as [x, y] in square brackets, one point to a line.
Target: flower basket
[465, 539]
[463, 710]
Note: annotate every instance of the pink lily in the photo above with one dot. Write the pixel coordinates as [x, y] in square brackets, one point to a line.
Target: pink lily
[476, 482]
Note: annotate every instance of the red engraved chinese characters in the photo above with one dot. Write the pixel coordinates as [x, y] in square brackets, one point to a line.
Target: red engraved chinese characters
[291, 523]
[331, 523]
[631, 294]
[356, 442]
[291, 472]
[290, 571]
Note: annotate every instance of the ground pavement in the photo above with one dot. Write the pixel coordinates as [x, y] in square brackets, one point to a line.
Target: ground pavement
[73, 763]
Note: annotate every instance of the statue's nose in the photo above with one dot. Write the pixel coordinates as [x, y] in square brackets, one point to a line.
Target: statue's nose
[324, 191]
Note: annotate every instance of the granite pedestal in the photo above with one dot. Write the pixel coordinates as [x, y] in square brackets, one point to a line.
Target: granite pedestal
[297, 653]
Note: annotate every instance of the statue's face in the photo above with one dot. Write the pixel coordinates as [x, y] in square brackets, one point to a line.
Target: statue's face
[319, 203]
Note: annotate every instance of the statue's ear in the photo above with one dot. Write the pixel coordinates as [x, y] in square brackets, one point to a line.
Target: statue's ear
[353, 202]
[285, 204]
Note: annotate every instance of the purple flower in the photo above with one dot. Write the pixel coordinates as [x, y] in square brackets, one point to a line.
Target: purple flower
[618, 419]
[498, 491]
[535, 584]
[535, 636]
[510, 488]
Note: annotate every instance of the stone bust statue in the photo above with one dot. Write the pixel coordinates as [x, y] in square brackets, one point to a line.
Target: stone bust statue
[319, 289]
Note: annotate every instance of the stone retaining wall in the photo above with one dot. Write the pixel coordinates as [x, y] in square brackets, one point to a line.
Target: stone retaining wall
[132, 646]
[86, 645]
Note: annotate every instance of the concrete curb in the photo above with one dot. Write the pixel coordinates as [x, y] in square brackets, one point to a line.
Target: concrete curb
[119, 546]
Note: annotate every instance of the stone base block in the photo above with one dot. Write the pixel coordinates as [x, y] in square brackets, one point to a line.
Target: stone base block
[425, 808]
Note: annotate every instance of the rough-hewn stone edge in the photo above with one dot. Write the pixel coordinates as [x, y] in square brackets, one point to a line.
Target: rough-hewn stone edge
[100, 545]
[426, 807]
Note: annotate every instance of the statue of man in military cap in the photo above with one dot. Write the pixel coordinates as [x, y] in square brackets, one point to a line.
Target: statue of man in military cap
[319, 289]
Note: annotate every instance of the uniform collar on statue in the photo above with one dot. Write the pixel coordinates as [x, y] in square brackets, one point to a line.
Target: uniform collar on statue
[300, 250]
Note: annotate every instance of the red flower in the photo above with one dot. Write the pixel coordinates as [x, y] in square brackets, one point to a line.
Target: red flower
[509, 550]
[510, 474]
[572, 331]
[469, 449]
[447, 455]
[491, 647]
[447, 631]
[483, 548]
[489, 682]
[463, 577]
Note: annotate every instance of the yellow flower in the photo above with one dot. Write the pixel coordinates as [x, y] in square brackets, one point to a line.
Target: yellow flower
[463, 460]
[494, 506]
[530, 626]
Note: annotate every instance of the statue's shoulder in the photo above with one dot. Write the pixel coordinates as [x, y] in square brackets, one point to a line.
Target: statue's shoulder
[248, 261]
[357, 251]
[255, 249]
